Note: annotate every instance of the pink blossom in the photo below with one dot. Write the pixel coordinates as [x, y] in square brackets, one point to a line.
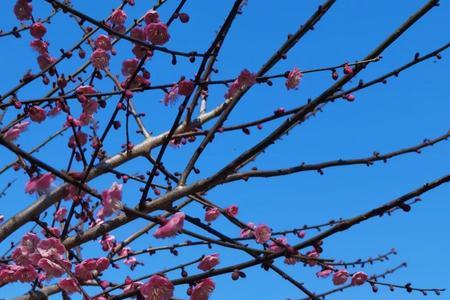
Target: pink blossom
[151, 16]
[40, 184]
[90, 106]
[60, 214]
[45, 61]
[245, 80]
[359, 278]
[28, 245]
[118, 17]
[203, 289]
[129, 66]
[89, 267]
[23, 10]
[140, 51]
[313, 254]
[131, 285]
[212, 214]
[108, 242]
[39, 46]
[348, 70]
[36, 114]
[301, 234]
[324, 273]
[85, 89]
[232, 210]
[278, 245]
[111, 200]
[184, 18]
[51, 248]
[185, 87]
[100, 59]
[248, 232]
[172, 227]
[158, 287]
[80, 136]
[171, 96]
[340, 277]
[53, 269]
[54, 231]
[138, 34]
[38, 30]
[208, 262]
[157, 33]
[262, 233]
[103, 42]
[69, 285]
[14, 132]
[25, 274]
[293, 79]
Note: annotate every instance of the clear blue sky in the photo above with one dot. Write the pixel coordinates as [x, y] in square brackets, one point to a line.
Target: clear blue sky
[383, 118]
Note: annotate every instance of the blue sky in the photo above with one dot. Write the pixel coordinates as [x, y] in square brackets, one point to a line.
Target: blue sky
[383, 118]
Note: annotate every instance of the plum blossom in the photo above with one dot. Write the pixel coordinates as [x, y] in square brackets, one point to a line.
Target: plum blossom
[324, 273]
[13, 133]
[138, 34]
[293, 78]
[278, 245]
[69, 285]
[28, 245]
[340, 277]
[151, 16]
[171, 96]
[81, 137]
[39, 46]
[39, 184]
[203, 289]
[89, 267]
[38, 30]
[172, 227]
[232, 210]
[212, 214]
[158, 287]
[103, 42]
[53, 269]
[185, 87]
[118, 17]
[45, 61]
[245, 80]
[100, 59]
[108, 242]
[157, 33]
[208, 262]
[23, 10]
[129, 66]
[313, 254]
[131, 285]
[248, 232]
[111, 201]
[262, 233]
[359, 278]
[36, 114]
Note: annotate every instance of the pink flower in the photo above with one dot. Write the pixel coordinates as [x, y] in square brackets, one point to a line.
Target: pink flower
[324, 273]
[138, 34]
[140, 51]
[69, 285]
[38, 30]
[36, 113]
[25, 274]
[81, 137]
[293, 78]
[278, 246]
[108, 242]
[262, 233]
[158, 287]
[40, 184]
[87, 268]
[203, 289]
[313, 255]
[85, 89]
[103, 42]
[185, 87]
[45, 61]
[28, 245]
[23, 10]
[208, 262]
[172, 227]
[232, 210]
[212, 214]
[245, 80]
[301, 234]
[348, 70]
[118, 17]
[100, 59]
[340, 277]
[60, 214]
[90, 106]
[248, 232]
[129, 66]
[39, 46]
[131, 285]
[53, 269]
[157, 33]
[51, 248]
[14, 132]
[151, 16]
[171, 96]
[111, 200]
[359, 278]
